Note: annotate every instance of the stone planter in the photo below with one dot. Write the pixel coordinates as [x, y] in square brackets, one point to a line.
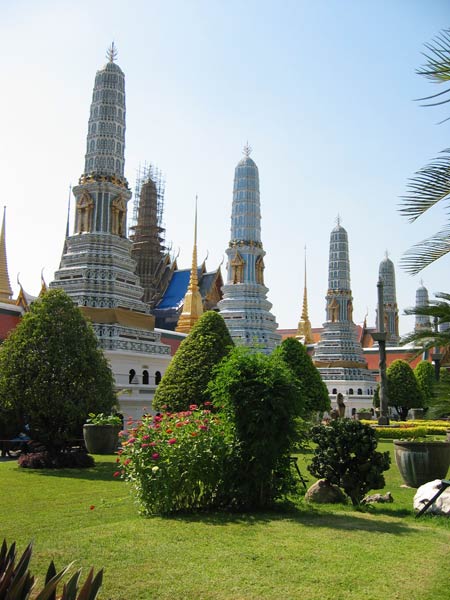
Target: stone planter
[420, 462]
[364, 416]
[101, 439]
[448, 435]
[416, 414]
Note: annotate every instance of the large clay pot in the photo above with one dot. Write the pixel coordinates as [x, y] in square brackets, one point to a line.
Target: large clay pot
[420, 462]
[101, 439]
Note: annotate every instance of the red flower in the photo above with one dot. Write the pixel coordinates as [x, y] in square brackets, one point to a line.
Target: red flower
[91, 507]
[207, 403]
[131, 440]
[203, 427]
[127, 461]
[155, 456]
[145, 437]
[116, 474]
[168, 431]
[193, 407]
[179, 424]
[172, 441]
[194, 433]
[145, 445]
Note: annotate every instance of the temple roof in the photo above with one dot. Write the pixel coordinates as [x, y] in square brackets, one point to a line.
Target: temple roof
[176, 290]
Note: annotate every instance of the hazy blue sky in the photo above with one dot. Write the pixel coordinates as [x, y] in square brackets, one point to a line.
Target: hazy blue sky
[322, 90]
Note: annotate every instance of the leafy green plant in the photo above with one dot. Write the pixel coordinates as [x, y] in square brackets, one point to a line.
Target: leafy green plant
[400, 433]
[346, 456]
[52, 372]
[186, 379]
[403, 390]
[259, 394]
[17, 583]
[177, 461]
[103, 419]
[424, 373]
[313, 395]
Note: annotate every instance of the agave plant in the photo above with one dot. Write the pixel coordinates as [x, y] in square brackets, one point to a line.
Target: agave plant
[431, 184]
[17, 583]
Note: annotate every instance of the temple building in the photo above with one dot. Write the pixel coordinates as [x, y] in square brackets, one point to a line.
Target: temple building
[10, 309]
[244, 306]
[97, 269]
[339, 355]
[154, 266]
[387, 276]
[422, 321]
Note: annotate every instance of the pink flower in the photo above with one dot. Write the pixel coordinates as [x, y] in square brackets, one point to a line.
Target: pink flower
[145, 445]
[172, 441]
[203, 427]
[131, 440]
[116, 474]
[207, 403]
[155, 456]
[153, 444]
[145, 437]
[193, 407]
[127, 461]
[119, 451]
[179, 424]
[122, 433]
[206, 412]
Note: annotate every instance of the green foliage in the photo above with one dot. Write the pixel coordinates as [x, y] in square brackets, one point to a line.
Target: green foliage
[52, 373]
[440, 406]
[425, 376]
[190, 370]
[177, 461]
[17, 583]
[314, 394]
[400, 433]
[102, 419]
[402, 387]
[259, 394]
[346, 456]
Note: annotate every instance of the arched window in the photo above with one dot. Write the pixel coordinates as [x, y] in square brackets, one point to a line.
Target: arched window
[157, 377]
[359, 392]
[145, 377]
[132, 376]
[350, 392]
[334, 391]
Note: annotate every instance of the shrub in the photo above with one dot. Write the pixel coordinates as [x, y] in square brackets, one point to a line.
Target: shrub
[186, 380]
[346, 456]
[61, 460]
[177, 461]
[402, 388]
[314, 394]
[424, 373]
[259, 394]
[52, 372]
[400, 433]
[17, 583]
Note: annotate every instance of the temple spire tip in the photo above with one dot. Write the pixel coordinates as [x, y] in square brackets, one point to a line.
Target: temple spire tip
[111, 53]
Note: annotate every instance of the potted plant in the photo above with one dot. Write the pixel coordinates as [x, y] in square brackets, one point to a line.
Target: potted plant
[101, 433]
[420, 461]
[363, 414]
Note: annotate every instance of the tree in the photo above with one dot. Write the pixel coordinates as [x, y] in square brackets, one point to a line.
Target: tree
[440, 406]
[424, 373]
[259, 394]
[52, 373]
[431, 184]
[186, 380]
[345, 455]
[403, 390]
[314, 394]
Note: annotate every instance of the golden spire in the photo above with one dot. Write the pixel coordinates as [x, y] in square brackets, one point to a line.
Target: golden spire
[193, 305]
[43, 284]
[304, 325]
[5, 286]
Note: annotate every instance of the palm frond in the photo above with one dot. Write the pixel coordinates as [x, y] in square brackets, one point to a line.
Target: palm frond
[430, 185]
[437, 66]
[426, 252]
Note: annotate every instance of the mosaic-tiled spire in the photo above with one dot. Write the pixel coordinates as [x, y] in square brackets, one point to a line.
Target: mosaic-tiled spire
[422, 321]
[387, 275]
[5, 286]
[339, 355]
[244, 305]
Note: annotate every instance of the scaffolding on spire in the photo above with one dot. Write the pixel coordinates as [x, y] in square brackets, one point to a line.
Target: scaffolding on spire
[148, 233]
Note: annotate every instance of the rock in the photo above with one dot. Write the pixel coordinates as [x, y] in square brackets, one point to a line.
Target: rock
[324, 492]
[387, 497]
[441, 506]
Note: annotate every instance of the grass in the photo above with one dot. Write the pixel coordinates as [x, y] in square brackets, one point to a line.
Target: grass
[320, 552]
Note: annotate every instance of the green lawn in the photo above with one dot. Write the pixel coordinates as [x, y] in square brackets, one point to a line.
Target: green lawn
[306, 552]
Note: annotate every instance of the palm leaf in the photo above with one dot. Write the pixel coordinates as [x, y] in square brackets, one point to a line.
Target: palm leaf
[426, 252]
[437, 67]
[430, 185]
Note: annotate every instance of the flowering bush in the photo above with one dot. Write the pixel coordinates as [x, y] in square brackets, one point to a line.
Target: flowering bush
[177, 461]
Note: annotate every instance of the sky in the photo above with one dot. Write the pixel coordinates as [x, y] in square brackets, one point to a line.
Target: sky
[323, 91]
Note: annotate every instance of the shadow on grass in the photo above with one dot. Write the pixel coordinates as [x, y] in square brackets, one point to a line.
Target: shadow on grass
[102, 471]
[309, 517]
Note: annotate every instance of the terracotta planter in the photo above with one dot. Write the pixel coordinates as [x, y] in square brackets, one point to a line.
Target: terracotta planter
[420, 462]
[101, 439]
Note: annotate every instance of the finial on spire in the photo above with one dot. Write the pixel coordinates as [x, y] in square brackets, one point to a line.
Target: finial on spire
[247, 149]
[386, 253]
[111, 53]
[338, 220]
